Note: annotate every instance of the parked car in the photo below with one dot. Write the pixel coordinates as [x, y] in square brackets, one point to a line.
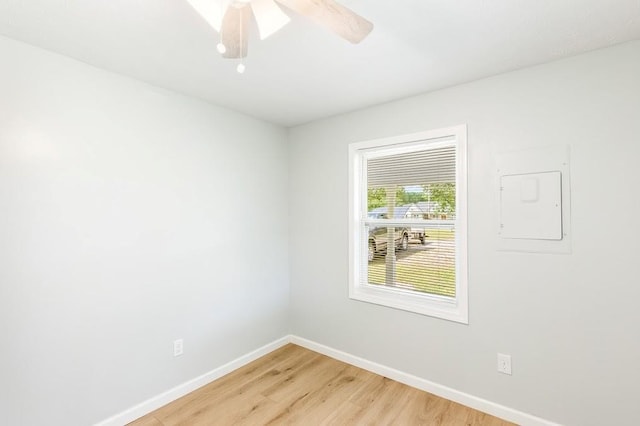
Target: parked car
[378, 237]
[407, 211]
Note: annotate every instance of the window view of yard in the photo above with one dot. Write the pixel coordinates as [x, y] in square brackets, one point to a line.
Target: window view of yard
[408, 245]
[424, 257]
[427, 267]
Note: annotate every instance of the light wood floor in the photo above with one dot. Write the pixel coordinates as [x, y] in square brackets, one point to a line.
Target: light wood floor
[293, 385]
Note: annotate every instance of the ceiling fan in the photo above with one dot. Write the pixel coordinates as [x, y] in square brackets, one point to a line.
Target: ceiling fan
[231, 19]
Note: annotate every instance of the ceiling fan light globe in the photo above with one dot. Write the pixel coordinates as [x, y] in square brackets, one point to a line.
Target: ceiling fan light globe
[221, 48]
[241, 68]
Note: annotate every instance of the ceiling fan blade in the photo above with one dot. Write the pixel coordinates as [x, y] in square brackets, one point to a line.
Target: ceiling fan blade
[269, 16]
[342, 21]
[234, 31]
[211, 11]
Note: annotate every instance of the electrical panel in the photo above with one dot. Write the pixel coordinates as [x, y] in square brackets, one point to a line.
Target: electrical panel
[531, 206]
[533, 200]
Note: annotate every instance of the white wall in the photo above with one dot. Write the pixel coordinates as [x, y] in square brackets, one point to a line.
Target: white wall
[570, 322]
[129, 216]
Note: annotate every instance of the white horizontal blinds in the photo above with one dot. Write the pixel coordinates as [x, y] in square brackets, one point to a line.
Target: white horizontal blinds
[427, 267]
[415, 191]
[413, 168]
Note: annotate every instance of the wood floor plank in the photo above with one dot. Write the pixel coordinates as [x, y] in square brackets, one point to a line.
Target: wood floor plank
[147, 421]
[346, 413]
[377, 387]
[232, 411]
[299, 382]
[244, 384]
[387, 405]
[327, 394]
[296, 386]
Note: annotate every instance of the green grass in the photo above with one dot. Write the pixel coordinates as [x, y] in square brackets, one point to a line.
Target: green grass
[429, 271]
[440, 280]
[439, 234]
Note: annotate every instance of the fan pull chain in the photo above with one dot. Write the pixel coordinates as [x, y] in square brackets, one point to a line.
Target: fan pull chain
[240, 68]
[222, 49]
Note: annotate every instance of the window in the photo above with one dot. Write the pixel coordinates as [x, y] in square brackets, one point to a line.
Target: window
[408, 221]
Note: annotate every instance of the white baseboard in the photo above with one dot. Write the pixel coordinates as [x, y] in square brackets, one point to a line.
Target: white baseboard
[474, 402]
[164, 398]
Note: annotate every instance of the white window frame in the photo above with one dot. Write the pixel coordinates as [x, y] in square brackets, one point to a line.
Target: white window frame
[453, 309]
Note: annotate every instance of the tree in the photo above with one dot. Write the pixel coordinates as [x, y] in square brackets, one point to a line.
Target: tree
[411, 197]
[376, 197]
[444, 194]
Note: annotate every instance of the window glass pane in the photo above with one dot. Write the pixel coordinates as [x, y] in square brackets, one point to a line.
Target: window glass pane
[417, 186]
[426, 201]
[425, 264]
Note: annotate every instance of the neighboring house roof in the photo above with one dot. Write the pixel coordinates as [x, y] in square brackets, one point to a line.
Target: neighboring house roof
[428, 206]
[433, 207]
[399, 212]
[405, 211]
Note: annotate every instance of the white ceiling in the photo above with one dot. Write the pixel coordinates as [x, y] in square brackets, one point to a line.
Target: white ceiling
[303, 72]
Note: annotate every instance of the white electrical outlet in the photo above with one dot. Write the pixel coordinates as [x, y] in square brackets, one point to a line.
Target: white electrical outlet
[178, 347]
[504, 364]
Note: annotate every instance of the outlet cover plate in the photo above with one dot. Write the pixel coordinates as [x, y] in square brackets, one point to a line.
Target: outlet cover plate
[504, 364]
[178, 347]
